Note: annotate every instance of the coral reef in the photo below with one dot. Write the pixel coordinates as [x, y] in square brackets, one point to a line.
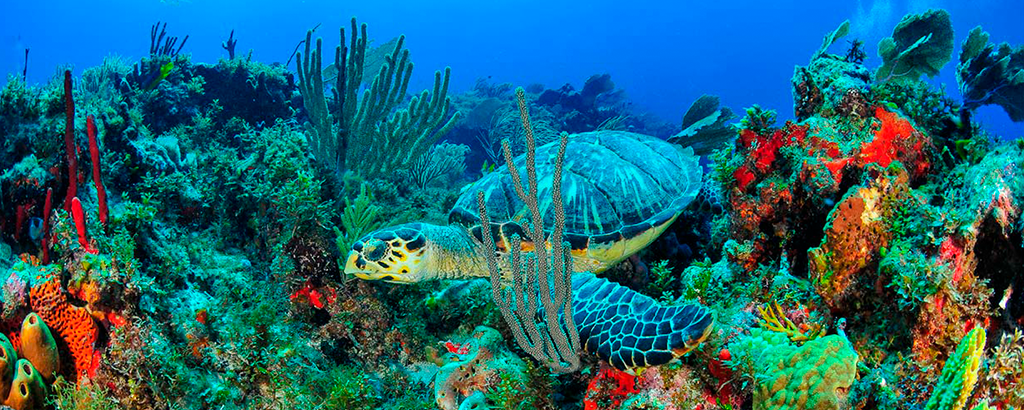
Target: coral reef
[865, 253]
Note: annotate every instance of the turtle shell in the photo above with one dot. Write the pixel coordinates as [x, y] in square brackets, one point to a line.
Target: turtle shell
[620, 191]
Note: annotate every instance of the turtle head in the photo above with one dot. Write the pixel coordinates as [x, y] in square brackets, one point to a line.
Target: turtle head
[398, 254]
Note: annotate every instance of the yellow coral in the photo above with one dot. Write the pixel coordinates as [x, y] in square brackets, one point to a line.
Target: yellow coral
[959, 374]
[773, 318]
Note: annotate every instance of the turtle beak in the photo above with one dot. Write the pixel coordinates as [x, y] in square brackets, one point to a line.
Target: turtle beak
[356, 266]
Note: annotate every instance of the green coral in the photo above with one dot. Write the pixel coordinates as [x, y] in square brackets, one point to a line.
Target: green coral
[759, 120]
[385, 136]
[359, 218]
[920, 44]
[815, 375]
[959, 374]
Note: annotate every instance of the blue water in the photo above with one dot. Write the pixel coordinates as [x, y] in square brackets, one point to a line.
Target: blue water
[664, 54]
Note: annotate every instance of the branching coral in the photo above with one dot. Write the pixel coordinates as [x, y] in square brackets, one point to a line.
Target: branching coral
[385, 137]
[773, 318]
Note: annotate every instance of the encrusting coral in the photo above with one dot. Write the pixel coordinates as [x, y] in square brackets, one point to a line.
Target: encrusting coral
[73, 323]
[476, 369]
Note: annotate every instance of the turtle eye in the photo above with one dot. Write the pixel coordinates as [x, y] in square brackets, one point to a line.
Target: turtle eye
[375, 249]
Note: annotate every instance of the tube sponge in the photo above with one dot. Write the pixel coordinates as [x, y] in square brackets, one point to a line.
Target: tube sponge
[7, 361]
[39, 347]
[959, 374]
[28, 391]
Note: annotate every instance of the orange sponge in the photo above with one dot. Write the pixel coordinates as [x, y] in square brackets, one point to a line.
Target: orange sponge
[74, 324]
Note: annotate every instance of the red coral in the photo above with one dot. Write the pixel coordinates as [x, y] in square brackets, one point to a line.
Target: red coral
[890, 140]
[836, 168]
[743, 177]
[74, 324]
[952, 251]
[747, 138]
[314, 296]
[767, 149]
[624, 386]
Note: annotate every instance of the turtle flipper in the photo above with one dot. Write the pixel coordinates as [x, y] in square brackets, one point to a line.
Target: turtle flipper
[631, 330]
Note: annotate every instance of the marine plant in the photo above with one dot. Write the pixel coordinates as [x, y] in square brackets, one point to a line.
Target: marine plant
[358, 218]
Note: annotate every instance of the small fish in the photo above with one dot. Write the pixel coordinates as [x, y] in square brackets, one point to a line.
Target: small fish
[35, 228]
[1006, 297]
[165, 71]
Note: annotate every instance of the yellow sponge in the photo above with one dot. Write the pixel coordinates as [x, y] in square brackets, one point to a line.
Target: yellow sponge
[7, 360]
[39, 347]
[28, 391]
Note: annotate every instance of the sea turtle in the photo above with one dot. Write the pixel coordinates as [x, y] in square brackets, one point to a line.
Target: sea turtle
[620, 191]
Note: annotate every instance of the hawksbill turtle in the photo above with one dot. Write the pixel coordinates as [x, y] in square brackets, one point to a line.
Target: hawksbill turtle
[621, 190]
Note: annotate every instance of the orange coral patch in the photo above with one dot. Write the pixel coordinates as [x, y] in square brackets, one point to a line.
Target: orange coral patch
[74, 324]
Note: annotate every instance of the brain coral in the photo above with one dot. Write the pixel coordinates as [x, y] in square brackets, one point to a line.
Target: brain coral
[816, 375]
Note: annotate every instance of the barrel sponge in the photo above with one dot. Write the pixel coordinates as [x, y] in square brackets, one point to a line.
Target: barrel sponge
[74, 324]
[816, 376]
[38, 347]
[8, 359]
[959, 374]
[28, 391]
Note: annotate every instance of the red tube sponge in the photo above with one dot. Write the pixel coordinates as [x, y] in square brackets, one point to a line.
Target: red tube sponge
[45, 242]
[79, 216]
[69, 141]
[94, 152]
